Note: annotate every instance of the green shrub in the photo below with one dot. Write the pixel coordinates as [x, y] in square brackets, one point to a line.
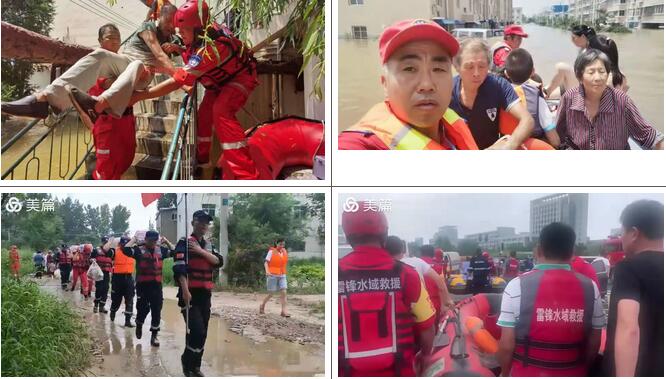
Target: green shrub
[307, 278]
[41, 335]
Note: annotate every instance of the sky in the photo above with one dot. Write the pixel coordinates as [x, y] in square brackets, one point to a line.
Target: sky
[532, 7]
[415, 215]
[140, 215]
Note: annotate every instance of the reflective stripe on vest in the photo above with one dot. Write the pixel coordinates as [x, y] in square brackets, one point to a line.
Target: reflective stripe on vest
[122, 264]
[277, 265]
[397, 135]
[64, 259]
[544, 338]
[199, 273]
[199, 270]
[104, 262]
[150, 265]
[370, 294]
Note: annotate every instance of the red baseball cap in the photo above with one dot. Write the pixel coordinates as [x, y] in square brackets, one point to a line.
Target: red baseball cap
[406, 31]
[515, 30]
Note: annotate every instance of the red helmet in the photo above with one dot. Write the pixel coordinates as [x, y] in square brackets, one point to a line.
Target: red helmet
[188, 14]
[486, 254]
[360, 220]
[87, 248]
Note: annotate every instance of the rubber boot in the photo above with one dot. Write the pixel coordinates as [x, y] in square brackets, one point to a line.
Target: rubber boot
[95, 307]
[101, 308]
[186, 370]
[153, 339]
[112, 315]
[128, 321]
[139, 330]
[197, 372]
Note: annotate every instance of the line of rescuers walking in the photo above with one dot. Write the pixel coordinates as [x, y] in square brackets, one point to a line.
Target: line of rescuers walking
[194, 263]
[390, 307]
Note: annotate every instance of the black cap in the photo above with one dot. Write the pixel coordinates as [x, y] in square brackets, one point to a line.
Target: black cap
[152, 235]
[124, 240]
[202, 215]
[105, 239]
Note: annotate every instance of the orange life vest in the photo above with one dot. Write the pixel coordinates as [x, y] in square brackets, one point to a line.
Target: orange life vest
[508, 123]
[277, 265]
[122, 264]
[398, 135]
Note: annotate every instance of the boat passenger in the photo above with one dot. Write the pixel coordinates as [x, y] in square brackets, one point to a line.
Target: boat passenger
[594, 116]
[479, 97]
[551, 317]
[565, 78]
[519, 68]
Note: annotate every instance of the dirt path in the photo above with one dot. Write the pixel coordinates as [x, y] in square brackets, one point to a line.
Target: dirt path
[241, 311]
[244, 351]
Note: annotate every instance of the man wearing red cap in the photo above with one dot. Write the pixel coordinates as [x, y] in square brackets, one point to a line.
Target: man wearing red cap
[417, 80]
[383, 308]
[513, 37]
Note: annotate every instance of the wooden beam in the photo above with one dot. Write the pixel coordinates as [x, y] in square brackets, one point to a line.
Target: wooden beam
[23, 44]
[283, 68]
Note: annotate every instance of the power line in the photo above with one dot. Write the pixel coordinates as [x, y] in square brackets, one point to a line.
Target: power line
[100, 15]
[106, 17]
[116, 14]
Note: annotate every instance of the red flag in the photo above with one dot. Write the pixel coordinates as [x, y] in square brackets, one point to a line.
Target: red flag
[148, 198]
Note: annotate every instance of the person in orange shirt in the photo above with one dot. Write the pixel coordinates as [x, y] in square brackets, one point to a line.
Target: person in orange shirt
[14, 261]
[275, 265]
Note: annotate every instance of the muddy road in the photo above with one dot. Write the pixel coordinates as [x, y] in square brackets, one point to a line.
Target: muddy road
[240, 341]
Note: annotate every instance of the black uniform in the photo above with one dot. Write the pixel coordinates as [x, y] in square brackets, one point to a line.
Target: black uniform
[105, 263]
[199, 275]
[480, 272]
[148, 284]
[65, 267]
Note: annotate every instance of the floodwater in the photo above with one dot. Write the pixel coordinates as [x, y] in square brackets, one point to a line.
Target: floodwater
[225, 354]
[641, 60]
[56, 157]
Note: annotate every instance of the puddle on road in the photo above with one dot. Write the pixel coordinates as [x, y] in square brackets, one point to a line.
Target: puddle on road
[226, 353]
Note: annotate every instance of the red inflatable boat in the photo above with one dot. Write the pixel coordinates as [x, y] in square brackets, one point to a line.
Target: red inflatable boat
[285, 142]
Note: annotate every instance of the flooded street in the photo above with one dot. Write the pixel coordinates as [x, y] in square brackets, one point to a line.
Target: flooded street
[226, 353]
[60, 152]
[641, 60]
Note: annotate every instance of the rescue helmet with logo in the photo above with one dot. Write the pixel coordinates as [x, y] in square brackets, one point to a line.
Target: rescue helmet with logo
[363, 221]
[188, 15]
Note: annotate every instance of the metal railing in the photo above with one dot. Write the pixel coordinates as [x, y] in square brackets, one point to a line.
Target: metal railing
[180, 147]
[71, 157]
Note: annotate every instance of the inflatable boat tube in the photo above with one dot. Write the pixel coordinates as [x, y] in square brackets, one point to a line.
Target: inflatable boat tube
[288, 141]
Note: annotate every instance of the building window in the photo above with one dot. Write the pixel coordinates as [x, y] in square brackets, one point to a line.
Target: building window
[174, 216]
[355, 2]
[359, 32]
[209, 208]
[621, 13]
